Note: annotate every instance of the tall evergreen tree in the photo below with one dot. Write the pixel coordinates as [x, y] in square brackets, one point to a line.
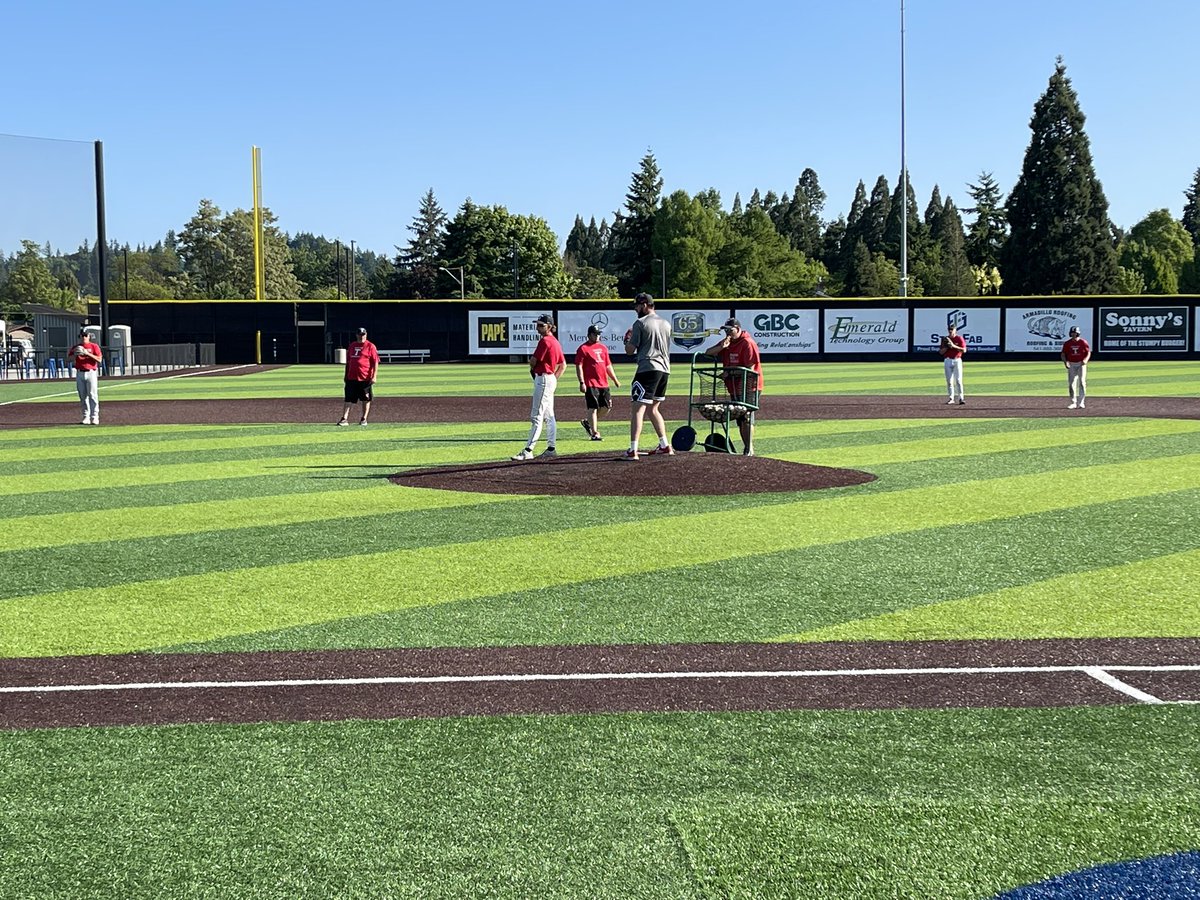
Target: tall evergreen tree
[894, 225]
[630, 253]
[875, 216]
[854, 232]
[573, 248]
[801, 224]
[933, 213]
[1191, 210]
[1062, 240]
[958, 280]
[862, 278]
[418, 266]
[987, 234]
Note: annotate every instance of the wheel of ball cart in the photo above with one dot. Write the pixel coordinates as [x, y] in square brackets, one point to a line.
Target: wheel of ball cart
[717, 443]
[684, 439]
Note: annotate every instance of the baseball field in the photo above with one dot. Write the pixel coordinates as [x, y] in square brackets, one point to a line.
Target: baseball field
[244, 653]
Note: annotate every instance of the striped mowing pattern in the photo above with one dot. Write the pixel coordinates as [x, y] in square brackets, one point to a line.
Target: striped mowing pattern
[1040, 378]
[334, 555]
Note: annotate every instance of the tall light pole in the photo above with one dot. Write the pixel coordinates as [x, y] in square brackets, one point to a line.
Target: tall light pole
[460, 278]
[903, 173]
[353, 279]
[663, 266]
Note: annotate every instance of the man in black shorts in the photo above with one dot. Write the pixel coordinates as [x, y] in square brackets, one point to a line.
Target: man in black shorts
[594, 368]
[650, 340]
[362, 362]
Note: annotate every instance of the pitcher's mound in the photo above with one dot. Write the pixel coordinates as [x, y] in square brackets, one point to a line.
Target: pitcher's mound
[603, 474]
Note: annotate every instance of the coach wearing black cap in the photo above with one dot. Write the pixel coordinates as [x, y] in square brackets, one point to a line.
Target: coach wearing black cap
[737, 352]
[362, 362]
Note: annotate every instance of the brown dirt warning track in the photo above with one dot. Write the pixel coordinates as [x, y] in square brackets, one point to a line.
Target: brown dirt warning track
[148, 689]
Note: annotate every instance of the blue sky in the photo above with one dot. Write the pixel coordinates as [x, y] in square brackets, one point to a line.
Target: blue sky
[547, 108]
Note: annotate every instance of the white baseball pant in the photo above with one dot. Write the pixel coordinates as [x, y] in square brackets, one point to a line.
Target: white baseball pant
[953, 377]
[1077, 372]
[541, 410]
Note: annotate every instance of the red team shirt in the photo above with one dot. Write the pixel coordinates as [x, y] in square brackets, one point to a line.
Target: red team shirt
[362, 359]
[594, 360]
[86, 363]
[742, 353]
[548, 356]
[1076, 349]
[954, 347]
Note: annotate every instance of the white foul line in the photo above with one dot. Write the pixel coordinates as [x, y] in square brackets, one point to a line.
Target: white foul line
[110, 385]
[1099, 673]
[1118, 685]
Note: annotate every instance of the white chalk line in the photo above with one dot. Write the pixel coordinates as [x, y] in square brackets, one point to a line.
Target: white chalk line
[112, 385]
[1117, 684]
[1100, 673]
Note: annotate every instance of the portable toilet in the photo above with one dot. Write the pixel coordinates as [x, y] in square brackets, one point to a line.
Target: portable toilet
[120, 348]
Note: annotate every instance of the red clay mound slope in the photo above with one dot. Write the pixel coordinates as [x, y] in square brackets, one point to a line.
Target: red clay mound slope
[603, 474]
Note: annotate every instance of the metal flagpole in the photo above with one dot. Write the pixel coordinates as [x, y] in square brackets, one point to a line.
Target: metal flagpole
[903, 173]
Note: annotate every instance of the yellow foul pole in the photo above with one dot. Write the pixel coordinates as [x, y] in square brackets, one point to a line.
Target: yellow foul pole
[259, 268]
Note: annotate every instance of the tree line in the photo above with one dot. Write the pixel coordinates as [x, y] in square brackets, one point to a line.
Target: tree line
[1050, 235]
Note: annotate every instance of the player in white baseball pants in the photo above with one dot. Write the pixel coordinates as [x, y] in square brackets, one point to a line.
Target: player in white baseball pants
[1077, 375]
[953, 377]
[541, 410]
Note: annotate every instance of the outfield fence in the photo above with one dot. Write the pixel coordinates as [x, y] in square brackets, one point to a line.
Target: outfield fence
[143, 359]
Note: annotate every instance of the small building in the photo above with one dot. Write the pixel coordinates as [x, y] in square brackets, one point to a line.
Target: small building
[54, 328]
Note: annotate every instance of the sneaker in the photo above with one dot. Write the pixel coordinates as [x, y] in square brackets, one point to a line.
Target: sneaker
[596, 437]
[86, 422]
[950, 402]
[664, 451]
[1071, 405]
[95, 421]
[362, 422]
[962, 401]
[1081, 405]
[548, 453]
[587, 426]
[628, 456]
[343, 423]
[525, 454]
[747, 453]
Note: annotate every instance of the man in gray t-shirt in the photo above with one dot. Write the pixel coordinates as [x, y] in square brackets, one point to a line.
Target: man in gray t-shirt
[650, 340]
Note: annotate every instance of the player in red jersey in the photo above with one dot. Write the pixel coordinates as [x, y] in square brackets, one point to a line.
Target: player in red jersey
[594, 368]
[86, 356]
[362, 363]
[1075, 355]
[953, 346]
[737, 350]
[546, 365]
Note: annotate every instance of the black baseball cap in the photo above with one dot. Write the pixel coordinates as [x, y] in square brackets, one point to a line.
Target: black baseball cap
[545, 319]
[83, 332]
[362, 331]
[593, 331]
[1074, 329]
[643, 297]
[731, 324]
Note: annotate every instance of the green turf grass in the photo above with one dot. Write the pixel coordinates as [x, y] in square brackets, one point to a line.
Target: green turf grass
[844, 806]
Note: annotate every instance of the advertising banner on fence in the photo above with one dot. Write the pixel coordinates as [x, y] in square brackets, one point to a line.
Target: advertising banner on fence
[1143, 328]
[1044, 328]
[980, 327]
[782, 330]
[693, 329]
[613, 323]
[866, 331]
[503, 333]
